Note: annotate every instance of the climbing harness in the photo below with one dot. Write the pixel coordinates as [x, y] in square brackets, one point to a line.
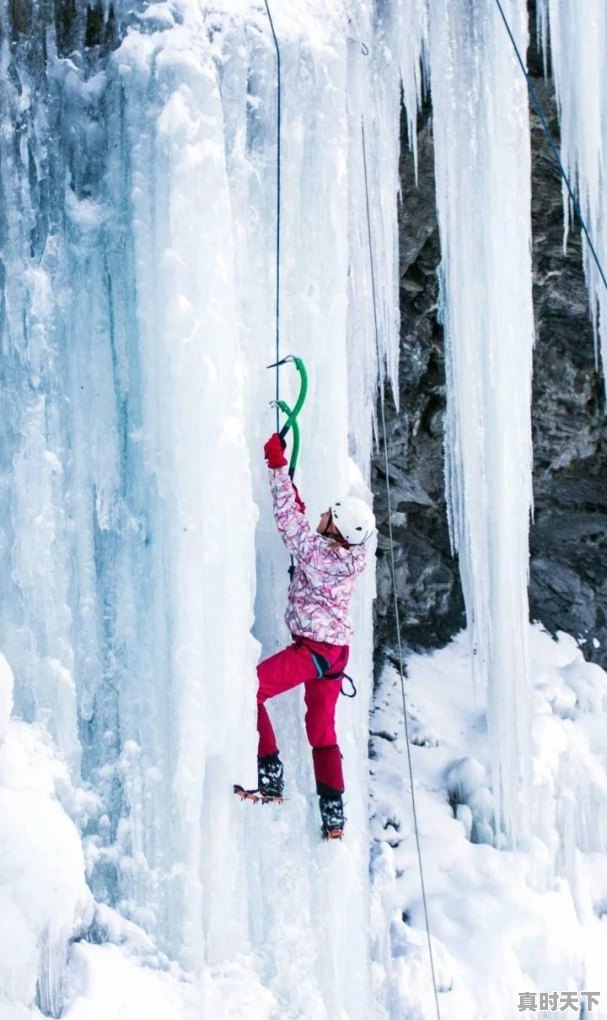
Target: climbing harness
[552, 144]
[323, 672]
[393, 578]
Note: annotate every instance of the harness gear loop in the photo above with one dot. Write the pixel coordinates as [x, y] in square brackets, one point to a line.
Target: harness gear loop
[347, 676]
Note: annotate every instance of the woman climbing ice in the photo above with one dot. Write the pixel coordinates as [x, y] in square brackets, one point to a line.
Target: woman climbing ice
[327, 563]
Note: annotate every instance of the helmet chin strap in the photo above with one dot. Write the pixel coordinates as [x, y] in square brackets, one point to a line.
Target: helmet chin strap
[326, 533]
[336, 537]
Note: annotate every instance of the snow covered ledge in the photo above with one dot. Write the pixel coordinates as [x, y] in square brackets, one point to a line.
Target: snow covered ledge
[502, 921]
[44, 900]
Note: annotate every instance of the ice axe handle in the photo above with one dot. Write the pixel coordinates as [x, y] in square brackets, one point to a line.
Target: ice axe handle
[303, 390]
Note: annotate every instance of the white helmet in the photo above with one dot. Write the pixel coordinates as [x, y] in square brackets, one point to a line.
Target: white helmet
[353, 519]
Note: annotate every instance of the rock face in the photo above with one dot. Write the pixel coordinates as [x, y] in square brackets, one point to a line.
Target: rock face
[430, 599]
[568, 537]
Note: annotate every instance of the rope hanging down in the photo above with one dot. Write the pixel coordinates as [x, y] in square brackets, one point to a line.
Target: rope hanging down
[549, 137]
[278, 176]
[394, 586]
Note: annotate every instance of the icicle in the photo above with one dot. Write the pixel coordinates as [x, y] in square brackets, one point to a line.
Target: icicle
[52, 950]
[410, 24]
[483, 195]
[578, 37]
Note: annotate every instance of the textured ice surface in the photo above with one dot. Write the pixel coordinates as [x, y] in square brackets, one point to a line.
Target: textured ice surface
[140, 574]
[481, 135]
[6, 696]
[44, 901]
[138, 554]
[104, 982]
[576, 36]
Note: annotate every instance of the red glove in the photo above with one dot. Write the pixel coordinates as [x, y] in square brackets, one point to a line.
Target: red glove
[301, 506]
[274, 452]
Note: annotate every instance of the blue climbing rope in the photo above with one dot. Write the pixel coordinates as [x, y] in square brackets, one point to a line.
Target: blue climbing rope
[394, 585]
[278, 178]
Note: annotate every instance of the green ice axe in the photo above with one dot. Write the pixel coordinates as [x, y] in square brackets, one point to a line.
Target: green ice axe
[303, 389]
[292, 413]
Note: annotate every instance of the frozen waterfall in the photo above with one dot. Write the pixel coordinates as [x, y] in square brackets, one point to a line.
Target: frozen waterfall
[575, 35]
[481, 133]
[141, 577]
[138, 259]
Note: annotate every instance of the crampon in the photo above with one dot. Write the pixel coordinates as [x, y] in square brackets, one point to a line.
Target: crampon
[332, 834]
[256, 796]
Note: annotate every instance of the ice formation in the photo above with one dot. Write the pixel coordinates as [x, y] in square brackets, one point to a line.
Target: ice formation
[481, 134]
[574, 35]
[140, 574]
[44, 900]
[138, 252]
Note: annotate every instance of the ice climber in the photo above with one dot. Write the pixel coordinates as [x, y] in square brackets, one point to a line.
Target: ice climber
[327, 563]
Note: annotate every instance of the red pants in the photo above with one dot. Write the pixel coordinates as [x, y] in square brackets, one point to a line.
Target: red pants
[293, 666]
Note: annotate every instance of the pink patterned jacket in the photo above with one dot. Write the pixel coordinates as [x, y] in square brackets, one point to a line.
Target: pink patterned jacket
[325, 572]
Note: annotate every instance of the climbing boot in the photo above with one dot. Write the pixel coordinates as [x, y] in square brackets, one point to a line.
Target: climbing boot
[270, 782]
[332, 815]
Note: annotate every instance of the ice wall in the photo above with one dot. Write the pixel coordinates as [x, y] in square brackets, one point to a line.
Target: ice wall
[481, 136]
[138, 554]
[575, 35]
[138, 226]
[44, 900]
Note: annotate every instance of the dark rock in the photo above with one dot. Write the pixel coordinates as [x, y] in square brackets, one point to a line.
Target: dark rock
[568, 570]
[568, 537]
[429, 592]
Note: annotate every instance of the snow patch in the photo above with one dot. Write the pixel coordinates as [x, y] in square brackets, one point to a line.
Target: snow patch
[506, 921]
[44, 901]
